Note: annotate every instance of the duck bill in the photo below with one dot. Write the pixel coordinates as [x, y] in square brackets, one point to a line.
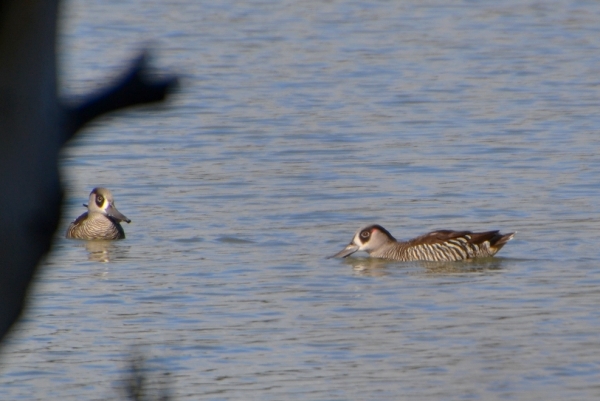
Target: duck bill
[115, 214]
[347, 251]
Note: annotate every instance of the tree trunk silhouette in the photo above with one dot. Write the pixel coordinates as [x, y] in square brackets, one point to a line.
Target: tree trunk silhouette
[34, 125]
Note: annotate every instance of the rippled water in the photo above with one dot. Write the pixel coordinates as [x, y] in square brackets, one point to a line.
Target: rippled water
[295, 124]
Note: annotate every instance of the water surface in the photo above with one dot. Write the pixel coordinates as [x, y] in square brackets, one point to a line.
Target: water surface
[295, 124]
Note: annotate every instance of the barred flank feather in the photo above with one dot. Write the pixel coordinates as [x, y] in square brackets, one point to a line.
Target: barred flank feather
[96, 227]
[446, 246]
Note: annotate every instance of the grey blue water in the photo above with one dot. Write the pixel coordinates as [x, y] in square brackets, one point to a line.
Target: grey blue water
[296, 123]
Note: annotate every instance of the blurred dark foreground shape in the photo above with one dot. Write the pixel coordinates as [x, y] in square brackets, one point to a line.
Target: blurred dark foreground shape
[143, 382]
[34, 125]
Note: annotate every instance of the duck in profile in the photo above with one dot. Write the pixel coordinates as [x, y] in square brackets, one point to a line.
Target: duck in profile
[436, 246]
[101, 221]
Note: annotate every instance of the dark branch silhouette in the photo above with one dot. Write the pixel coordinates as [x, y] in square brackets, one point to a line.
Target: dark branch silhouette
[133, 88]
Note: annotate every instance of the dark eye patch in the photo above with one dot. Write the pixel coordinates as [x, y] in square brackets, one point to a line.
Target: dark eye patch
[365, 234]
[99, 200]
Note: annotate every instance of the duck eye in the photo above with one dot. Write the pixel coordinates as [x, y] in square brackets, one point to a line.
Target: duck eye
[99, 200]
[365, 234]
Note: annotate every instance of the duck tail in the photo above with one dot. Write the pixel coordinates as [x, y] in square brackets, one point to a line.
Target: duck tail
[502, 239]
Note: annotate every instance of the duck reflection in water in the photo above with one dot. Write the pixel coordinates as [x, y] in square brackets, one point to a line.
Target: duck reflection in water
[105, 251]
[382, 267]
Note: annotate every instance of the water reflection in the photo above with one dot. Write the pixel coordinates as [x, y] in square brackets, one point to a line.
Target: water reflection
[234, 240]
[105, 251]
[471, 266]
[381, 267]
[371, 267]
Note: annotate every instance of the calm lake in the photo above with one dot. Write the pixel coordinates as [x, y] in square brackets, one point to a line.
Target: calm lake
[296, 123]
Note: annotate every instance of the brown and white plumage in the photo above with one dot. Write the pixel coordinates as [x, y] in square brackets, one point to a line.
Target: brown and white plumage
[101, 221]
[436, 246]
